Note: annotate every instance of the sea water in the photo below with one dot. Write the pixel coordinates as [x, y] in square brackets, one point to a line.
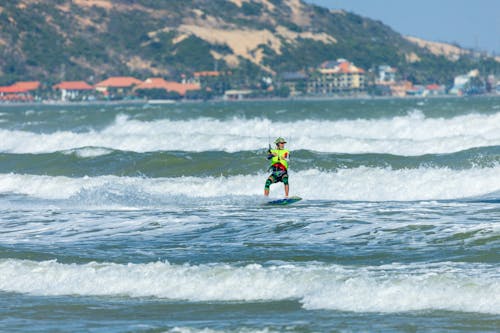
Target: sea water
[151, 218]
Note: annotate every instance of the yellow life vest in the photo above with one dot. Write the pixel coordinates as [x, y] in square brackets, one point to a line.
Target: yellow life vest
[281, 157]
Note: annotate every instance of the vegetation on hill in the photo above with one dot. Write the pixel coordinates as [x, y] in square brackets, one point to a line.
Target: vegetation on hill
[54, 40]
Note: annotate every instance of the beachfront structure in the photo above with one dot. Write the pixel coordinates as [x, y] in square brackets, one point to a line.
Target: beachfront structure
[117, 87]
[400, 89]
[204, 78]
[435, 90]
[295, 81]
[466, 84]
[23, 91]
[215, 82]
[236, 95]
[386, 75]
[159, 84]
[336, 77]
[73, 90]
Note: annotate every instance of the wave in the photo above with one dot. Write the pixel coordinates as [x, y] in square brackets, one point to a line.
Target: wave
[358, 184]
[94, 161]
[413, 134]
[388, 288]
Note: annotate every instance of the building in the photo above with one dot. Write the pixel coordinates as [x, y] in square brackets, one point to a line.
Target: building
[217, 82]
[467, 84]
[295, 81]
[400, 89]
[434, 90]
[336, 77]
[157, 83]
[386, 75]
[23, 91]
[236, 95]
[74, 90]
[117, 87]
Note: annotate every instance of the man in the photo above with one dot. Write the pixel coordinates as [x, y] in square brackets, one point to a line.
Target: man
[279, 166]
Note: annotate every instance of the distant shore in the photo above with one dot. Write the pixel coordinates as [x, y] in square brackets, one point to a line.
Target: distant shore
[220, 100]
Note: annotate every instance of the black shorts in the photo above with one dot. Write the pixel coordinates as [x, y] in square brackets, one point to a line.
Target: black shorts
[278, 175]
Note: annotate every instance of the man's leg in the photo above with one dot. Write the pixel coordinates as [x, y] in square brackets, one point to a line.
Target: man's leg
[287, 187]
[269, 181]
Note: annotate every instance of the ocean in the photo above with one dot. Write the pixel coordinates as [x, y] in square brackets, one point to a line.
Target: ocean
[151, 217]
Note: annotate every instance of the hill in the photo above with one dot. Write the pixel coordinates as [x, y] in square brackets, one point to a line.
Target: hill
[55, 40]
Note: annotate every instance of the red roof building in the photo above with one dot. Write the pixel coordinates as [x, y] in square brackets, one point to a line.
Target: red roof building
[118, 82]
[206, 73]
[159, 83]
[73, 85]
[19, 91]
[340, 76]
[117, 87]
[21, 87]
[73, 90]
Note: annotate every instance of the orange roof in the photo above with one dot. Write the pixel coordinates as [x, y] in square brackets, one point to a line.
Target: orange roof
[73, 85]
[347, 67]
[27, 85]
[153, 83]
[433, 87]
[119, 82]
[206, 73]
[159, 83]
[11, 90]
[342, 66]
[20, 87]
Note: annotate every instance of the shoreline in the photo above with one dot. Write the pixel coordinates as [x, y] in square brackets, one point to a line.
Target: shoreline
[220, 100]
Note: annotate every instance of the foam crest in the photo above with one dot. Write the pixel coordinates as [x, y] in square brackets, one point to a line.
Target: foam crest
[413, 134]
[87, 152]
[363, 184]
[390, 288]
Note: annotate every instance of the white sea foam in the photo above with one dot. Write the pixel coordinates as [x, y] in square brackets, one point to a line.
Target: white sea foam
[363, 183]
[413, 134]
[88, 152]
[390, 288]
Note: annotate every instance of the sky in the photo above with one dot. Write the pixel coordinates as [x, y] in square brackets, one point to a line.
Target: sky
[470, 23]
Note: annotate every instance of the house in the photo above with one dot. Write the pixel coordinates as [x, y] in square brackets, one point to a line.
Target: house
[416, 90]
[204, 76]
[73, 90]
[469, 83]
[334, 77]
[386, 75]
[117, 87]
[400, 89]
[157, 83]
[216, 82]
[235, 95]
[23, 91]
[295, 81]
[434, 90]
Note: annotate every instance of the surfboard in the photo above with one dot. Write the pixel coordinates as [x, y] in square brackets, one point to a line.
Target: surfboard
[285, 201]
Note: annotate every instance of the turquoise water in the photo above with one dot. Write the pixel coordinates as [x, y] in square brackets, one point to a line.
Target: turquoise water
[150, 218]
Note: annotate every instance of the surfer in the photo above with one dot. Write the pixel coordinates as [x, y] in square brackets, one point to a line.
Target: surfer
[279, 166]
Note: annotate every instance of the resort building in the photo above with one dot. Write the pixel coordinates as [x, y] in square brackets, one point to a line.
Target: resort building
[467, 84]
[386, 75]
[159, 84]
[24, 91]
[117, 87]
[74, 90]
[435, 90]
[295, 81]
[336, 77]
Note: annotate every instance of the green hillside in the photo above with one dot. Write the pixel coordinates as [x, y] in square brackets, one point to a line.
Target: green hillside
[53, 40]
